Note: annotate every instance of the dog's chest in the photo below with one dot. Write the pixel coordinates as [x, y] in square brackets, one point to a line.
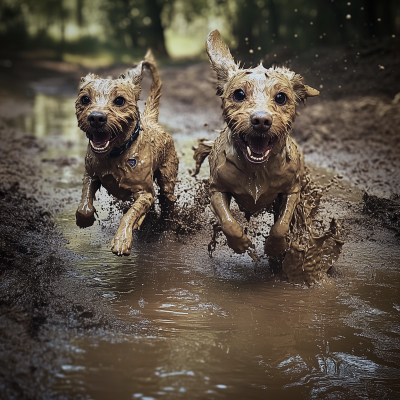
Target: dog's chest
[255, 191]
[257, 187]
[129, 173]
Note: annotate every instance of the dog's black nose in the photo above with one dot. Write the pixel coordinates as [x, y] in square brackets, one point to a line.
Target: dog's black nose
[97, 119]
[261, 121]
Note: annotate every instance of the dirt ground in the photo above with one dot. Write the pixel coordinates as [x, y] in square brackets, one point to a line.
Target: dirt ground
[352, 129]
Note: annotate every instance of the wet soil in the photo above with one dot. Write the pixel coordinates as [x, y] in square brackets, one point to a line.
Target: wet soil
[385, 211]
[43, 298]
[168, 321]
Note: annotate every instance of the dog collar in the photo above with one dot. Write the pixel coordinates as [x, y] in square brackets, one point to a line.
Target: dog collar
[119, 150]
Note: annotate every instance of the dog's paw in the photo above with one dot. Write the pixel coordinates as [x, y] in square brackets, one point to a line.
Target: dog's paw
[121, 246]
[239, 244]
[84, 219]
[274, 246]
[237, 239]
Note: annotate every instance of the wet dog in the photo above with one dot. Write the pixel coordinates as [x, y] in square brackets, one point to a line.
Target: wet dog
[254, 159]
[126, 151]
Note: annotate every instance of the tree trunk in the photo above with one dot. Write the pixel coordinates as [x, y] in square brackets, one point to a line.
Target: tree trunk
[155, 31]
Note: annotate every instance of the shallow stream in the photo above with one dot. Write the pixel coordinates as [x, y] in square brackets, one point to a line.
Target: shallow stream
[218, 328]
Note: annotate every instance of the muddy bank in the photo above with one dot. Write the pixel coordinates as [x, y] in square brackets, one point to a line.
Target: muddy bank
[360, 69]
[43, 298]
[357, 137]
[385, 211]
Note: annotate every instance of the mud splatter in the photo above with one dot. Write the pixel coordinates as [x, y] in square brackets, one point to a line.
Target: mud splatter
[311, 252]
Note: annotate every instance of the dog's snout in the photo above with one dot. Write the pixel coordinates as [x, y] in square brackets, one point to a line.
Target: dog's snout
[97, 119]
[261, 121]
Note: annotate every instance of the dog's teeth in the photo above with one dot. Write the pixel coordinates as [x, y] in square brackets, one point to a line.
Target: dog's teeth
[266, 153]
[249, 151]
[100, 148]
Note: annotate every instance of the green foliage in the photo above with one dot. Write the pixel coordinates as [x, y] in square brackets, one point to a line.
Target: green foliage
[134, 25]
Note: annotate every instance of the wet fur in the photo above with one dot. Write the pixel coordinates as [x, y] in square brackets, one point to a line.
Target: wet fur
[153, 151]
[277, 180]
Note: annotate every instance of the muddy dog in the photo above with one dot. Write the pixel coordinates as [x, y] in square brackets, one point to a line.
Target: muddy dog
[254, 159]
[126, 151]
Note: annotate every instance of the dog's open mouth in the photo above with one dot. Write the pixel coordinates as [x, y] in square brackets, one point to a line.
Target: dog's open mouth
[257, 148]
[100, 141]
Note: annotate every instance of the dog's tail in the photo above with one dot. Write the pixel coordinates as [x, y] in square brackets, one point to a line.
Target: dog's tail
[201, 152]
[153, 102]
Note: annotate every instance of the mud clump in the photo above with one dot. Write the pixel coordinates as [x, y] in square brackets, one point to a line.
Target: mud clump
[387, 211]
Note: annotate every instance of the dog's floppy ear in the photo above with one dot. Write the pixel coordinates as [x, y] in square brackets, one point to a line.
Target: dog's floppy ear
[221, 59]
[301, 90]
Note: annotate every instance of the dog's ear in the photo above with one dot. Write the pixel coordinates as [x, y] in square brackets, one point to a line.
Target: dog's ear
[301, 90]
[310, 92]
[86, 79]
[135, 74]
[221, 59]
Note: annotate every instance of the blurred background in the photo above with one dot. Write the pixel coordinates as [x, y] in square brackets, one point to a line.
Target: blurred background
[99, 33]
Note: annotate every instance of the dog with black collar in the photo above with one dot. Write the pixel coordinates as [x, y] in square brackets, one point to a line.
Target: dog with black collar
[126, 151]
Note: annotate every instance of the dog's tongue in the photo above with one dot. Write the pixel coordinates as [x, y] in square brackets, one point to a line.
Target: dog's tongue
[258, 144]
[100, 138]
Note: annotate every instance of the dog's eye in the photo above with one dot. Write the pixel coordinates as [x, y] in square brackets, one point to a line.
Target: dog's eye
[239, 95]
[85, 100]
[119, 101]
[280, 99]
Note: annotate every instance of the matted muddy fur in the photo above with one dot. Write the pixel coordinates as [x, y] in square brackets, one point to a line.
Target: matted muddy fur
[126, 151]
[255, 161]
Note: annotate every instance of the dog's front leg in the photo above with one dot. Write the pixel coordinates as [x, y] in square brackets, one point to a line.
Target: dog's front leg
[237, 239]
[122, 242]
[85, 212]
[277, 242]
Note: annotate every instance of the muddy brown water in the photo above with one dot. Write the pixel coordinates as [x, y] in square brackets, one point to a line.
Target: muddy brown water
[217, 328]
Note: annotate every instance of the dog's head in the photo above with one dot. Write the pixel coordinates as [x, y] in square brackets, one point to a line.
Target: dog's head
[107, 109]
[258, 103]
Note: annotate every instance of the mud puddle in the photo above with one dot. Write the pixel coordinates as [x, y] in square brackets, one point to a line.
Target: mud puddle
[219, 327]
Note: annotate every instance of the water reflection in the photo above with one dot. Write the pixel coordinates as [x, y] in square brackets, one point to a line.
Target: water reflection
[217, 328]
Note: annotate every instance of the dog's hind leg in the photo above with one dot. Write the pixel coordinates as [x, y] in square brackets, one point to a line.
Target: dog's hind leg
[122, 242]
[166, 179]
